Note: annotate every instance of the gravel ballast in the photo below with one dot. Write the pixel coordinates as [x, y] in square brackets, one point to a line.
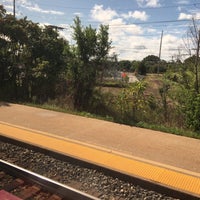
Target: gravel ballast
[88, 180]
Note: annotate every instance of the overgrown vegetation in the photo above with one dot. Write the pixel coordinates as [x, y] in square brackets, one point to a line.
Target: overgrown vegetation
[38, 67]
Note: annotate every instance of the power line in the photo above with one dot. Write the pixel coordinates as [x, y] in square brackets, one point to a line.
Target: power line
[136, 23]
[155, 22]
[159, 22]
[126, 9]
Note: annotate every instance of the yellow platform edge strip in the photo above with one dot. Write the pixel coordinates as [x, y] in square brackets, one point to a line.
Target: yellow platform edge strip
[167, 177]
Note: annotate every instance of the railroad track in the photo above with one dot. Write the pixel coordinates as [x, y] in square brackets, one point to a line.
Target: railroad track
[19, 183]
[97, 181]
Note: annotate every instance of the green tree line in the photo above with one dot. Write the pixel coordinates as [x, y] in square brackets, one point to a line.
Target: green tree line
[37, 65]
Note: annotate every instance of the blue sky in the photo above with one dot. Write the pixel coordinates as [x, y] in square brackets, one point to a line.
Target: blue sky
[135, 25]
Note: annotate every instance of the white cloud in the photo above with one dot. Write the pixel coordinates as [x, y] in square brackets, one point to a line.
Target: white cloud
[197, 16]
[183, 16]
[130, 41]
[103, 15]
[151, 30]
[25, 2]
[153, 3]
[133, 29]
[66, 33]
[149, 3]
[8, 7]
[136, 15]
[127, 41]
[183, 2]
[118, 28]
[195, 13]
[169, 39]
[136, 47]
[78, 14]
[8, 4]
[36, 8]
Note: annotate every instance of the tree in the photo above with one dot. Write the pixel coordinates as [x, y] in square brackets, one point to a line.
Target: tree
[91, 50]
[103, 44]
[192, 111]
[186, 102]
[151, 63]
[102, 49]
[131, 102]
[125, 65]
[12, 38]
[142, 68]
[135, 66]
[193, 43]
[50, 63]
[31, 58]
[86, 40]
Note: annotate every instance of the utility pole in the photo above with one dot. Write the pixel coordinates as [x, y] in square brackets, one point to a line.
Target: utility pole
[158, 70]
[14, 8]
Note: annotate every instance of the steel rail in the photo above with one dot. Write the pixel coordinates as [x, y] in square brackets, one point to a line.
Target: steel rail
[136, 180]
[64, 191]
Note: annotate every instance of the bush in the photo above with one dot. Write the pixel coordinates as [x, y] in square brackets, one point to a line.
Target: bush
[193, 112]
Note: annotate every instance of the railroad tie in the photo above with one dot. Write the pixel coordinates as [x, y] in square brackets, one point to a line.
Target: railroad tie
[54, 197]
[14, 184]
[29, 192]
[2, 174]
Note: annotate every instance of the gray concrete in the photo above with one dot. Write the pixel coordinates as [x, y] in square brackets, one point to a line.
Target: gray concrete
[154, 146]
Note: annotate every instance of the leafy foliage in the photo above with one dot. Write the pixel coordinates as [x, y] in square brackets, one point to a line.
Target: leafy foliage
[36, 65]
[131, 102]
[91, 50]
[192, 111]
[32, 59]
[183, 92]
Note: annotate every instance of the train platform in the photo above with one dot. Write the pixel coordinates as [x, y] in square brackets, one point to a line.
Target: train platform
[168, 159]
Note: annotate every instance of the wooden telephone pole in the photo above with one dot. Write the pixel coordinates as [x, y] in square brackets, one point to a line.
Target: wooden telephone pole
[158, 70]
[14, 8]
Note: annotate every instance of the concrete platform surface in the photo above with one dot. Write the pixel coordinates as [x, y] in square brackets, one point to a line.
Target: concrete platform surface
[170, 151]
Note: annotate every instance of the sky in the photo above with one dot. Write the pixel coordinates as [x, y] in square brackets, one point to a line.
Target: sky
[135, 26]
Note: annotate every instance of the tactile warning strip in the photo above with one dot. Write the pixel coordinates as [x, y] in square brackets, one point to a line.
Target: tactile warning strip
[161, 175]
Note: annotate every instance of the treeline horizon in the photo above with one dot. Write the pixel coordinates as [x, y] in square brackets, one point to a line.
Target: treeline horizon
[39, 66]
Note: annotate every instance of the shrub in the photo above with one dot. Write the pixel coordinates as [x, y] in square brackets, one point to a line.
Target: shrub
[193, 111]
